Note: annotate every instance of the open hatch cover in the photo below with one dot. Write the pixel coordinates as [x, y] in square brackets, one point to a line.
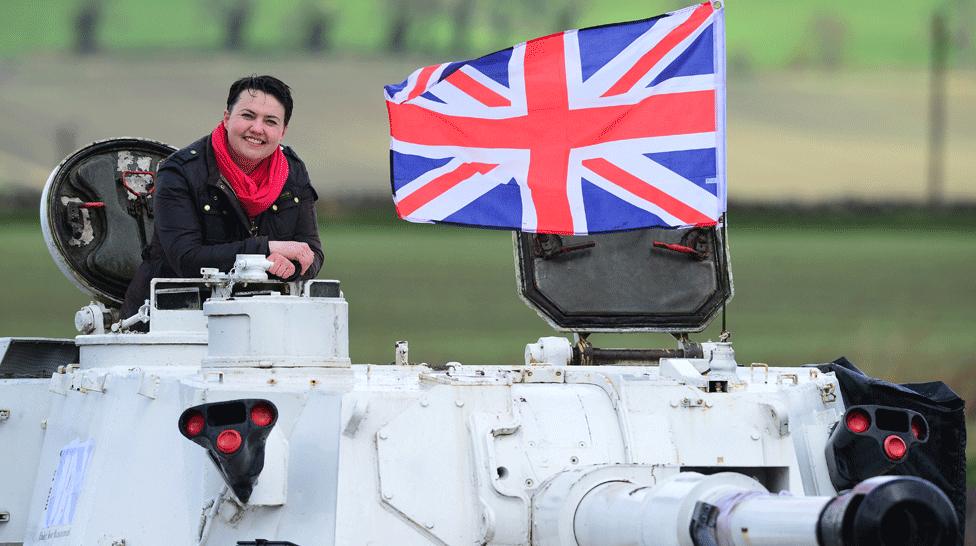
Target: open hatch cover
[96, 213]
[650, 280]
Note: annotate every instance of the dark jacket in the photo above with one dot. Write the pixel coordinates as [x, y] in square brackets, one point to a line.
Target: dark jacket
[200, 223]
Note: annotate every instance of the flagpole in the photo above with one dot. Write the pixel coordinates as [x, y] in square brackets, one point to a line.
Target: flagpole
[725, 335]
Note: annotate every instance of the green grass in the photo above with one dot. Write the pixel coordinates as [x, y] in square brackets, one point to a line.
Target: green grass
[897, 302]
[764, 33]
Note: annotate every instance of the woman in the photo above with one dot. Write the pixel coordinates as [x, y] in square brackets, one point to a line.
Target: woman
[234, 191]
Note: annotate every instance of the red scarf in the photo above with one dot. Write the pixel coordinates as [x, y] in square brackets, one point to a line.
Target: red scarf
[257, 190]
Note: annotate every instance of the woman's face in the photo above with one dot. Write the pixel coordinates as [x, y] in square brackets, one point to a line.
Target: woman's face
[255, 125]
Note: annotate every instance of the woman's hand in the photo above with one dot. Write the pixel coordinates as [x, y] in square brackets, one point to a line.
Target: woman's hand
[292, 250]
[281, 266]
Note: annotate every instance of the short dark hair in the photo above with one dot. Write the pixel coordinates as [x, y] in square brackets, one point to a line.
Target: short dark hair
[265, 84]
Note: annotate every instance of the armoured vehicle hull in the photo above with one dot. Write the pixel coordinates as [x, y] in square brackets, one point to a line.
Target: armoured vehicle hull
[407, 454]
[239, 418]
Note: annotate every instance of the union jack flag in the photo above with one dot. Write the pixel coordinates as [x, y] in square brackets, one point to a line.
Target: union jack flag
[585, 131]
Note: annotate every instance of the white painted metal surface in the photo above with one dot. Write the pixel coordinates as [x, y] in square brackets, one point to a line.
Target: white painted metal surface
[555, 351]
[366, 454]
[658, 515]
[280, 331]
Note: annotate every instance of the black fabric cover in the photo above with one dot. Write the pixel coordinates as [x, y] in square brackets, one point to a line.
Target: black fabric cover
[942, 459]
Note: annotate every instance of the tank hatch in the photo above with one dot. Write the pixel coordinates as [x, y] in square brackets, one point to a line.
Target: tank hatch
[96, 213]
[651, 280]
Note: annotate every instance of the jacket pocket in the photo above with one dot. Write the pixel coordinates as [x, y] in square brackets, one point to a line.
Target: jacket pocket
[216, 218]
[284, 214]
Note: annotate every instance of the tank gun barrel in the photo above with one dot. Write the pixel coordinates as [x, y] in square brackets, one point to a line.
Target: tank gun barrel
[729, 509]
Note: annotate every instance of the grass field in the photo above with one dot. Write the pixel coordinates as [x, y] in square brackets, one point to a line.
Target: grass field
[897, 302]
[803, 136]
[763, 33]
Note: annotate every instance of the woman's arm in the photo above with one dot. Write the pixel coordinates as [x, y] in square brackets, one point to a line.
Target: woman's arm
[307, 227]
[307, 231]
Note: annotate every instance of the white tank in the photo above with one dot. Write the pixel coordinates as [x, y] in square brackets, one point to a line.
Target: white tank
[239, 419]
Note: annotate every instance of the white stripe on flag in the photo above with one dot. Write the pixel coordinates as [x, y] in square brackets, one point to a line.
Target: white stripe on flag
[574, 193]
[625, 195]
[648, 145]
[477, 76]
[607, 75]
[669, 182]
[405, 190]
[456, 198]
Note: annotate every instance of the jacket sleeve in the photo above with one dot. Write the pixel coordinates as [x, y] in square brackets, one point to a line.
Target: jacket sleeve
[181, 233]
[307, 228]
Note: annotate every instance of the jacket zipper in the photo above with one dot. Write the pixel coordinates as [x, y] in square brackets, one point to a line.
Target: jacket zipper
[252, 226]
